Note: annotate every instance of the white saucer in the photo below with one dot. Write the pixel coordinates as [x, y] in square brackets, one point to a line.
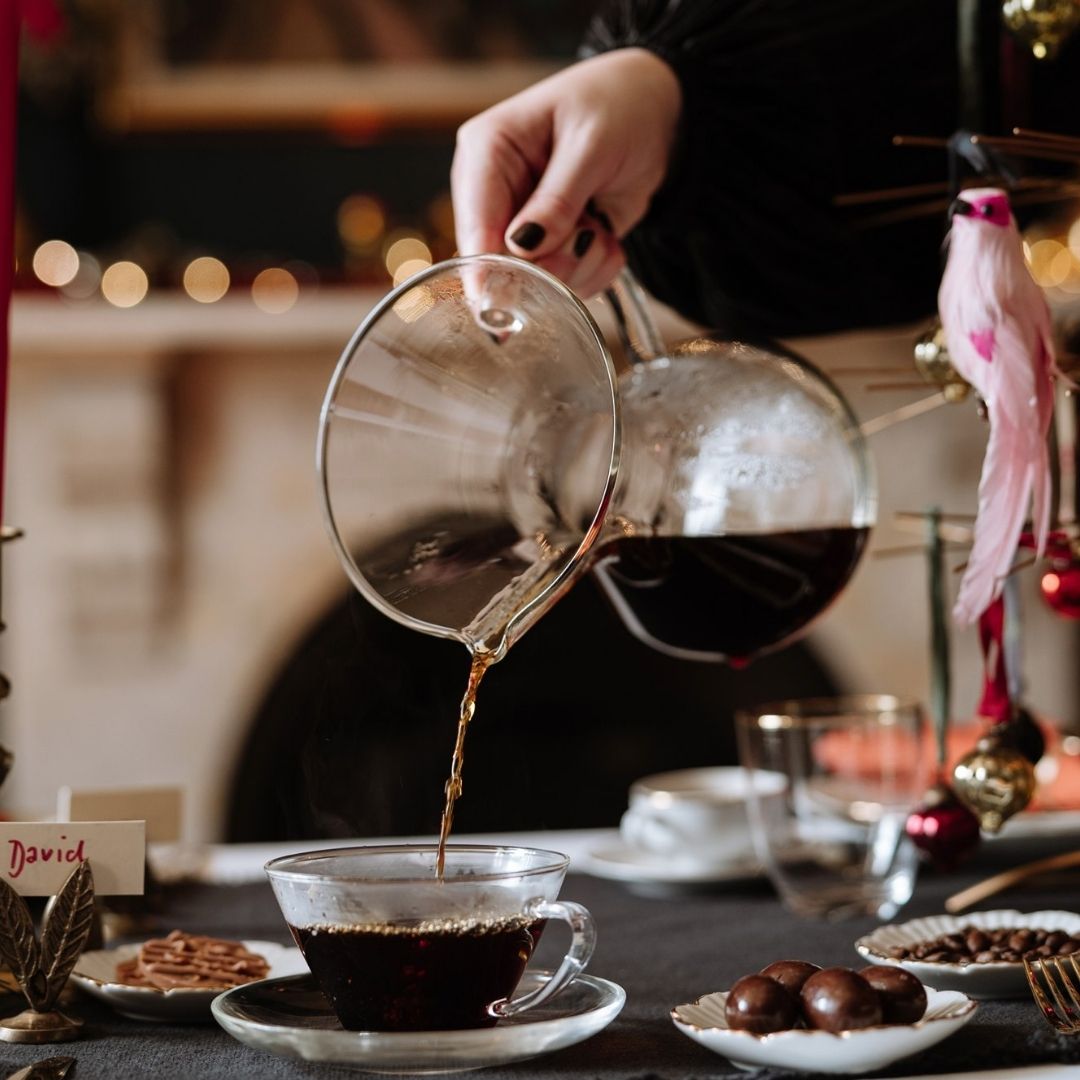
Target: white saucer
[619, 861]
[291, 1017]
[95, 973]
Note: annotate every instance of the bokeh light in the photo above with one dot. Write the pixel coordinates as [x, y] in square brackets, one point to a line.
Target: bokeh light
[406, 249]
[56, 263]
[206, 279]
[87, 281]
[408, 268]
[361, 222]
[1074, 238]
[124, 284]
[1051, 262]
[274, 290]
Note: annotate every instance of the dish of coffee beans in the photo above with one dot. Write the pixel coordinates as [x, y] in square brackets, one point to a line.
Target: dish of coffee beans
[793, 993]
[1005, 944]
[981, 953]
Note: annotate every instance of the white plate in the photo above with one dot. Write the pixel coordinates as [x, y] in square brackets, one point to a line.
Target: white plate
[618, 861]
[1001, 980]
[291, 1017]
[806, 1050]
[95, 973]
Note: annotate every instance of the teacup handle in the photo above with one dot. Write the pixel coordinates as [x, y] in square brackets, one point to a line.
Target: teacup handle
[582, 943]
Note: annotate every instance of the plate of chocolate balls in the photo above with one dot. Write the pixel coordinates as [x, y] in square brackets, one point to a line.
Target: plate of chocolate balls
[796, 1015]
[981, 953]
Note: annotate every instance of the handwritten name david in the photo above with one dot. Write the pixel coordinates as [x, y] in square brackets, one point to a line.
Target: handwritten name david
[23, 855]
[38, 856]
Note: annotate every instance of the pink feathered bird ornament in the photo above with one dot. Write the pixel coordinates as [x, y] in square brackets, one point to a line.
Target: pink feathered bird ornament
[997, 329]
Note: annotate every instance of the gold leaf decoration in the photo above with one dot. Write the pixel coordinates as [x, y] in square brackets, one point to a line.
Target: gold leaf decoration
[18, 946]
[65, 932]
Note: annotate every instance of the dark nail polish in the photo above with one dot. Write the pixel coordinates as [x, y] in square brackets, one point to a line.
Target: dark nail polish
[582, 242]
[592, 209]
[529, 236]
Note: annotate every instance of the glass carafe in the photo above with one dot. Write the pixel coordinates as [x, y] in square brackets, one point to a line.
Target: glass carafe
[478, 453]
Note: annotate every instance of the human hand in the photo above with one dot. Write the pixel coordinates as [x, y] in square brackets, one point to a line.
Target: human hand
[560, 171]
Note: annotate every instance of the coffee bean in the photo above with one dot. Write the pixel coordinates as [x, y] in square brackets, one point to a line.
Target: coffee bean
[1006, 944]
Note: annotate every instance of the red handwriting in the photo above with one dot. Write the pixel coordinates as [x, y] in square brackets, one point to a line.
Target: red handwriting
[24, 855]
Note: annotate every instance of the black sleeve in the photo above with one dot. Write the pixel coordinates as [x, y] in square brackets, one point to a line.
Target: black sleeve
[786, 104]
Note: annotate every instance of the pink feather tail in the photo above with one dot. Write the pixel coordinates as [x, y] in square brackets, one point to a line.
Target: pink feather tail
[1008, 477]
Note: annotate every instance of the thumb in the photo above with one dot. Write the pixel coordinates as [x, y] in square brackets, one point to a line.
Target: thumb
[550, 215]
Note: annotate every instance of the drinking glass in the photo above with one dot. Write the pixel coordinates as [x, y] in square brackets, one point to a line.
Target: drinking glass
[396, 946]
[834, 845]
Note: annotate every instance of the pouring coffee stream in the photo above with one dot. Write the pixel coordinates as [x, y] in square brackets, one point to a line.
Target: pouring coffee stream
[721, 492]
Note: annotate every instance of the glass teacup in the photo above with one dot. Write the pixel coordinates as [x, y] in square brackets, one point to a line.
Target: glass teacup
[396, 947]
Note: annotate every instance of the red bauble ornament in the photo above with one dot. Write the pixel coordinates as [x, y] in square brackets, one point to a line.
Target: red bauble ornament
[943, 827]
[1060, 587]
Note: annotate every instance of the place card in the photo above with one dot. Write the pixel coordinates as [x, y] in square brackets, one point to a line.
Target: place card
[160, 807]
[38, 856]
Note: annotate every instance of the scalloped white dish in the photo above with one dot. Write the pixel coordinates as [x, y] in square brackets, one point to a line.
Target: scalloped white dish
[987, 981]
[807, 1050]
[95, 973]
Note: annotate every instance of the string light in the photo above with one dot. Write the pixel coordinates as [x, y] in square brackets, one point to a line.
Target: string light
[409, 267]
[206, 279]
[55, 263]
[406, 248]
[274, 290]
[361, 222]
[124, 284]
[1074, 238]
[87, 281]
[1051, 262]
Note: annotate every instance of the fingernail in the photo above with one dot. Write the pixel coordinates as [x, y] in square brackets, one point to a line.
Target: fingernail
[582, 242]
[596, 212]
[528, 236]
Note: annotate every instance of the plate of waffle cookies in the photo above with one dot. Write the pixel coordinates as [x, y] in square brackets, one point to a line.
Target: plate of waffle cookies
[176, 977]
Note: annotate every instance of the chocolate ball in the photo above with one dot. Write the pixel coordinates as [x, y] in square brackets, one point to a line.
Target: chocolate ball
[903, 999]
[759, 1004]
[836, 999]
[790, 974]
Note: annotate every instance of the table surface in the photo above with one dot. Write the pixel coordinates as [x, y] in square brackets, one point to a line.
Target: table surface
[663, 949]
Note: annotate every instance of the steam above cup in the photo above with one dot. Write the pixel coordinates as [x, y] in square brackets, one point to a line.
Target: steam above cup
[696, 815]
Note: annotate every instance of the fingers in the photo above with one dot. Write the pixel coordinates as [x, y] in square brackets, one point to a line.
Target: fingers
[483, 177]
[549, 220]
[589, 260]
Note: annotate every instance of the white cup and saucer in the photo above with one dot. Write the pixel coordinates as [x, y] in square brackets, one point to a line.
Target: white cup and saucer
[687, 827]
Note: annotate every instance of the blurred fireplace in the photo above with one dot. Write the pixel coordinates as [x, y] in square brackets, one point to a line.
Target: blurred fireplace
[161, 461]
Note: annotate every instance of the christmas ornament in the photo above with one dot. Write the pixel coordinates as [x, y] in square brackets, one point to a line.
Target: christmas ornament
[1042, 25]
[932, 363]
[1060, 583]
[1022, 733]
[994, 781]
[997, 329]
[941, 826]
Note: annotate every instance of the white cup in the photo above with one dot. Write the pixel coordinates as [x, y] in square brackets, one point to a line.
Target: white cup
[696, 815]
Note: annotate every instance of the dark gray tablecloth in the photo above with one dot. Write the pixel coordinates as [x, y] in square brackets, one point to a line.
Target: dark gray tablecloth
[662, 950]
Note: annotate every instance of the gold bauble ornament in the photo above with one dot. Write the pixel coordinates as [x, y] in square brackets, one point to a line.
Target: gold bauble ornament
[932, 363]
[994, 781]
[1041, 24]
